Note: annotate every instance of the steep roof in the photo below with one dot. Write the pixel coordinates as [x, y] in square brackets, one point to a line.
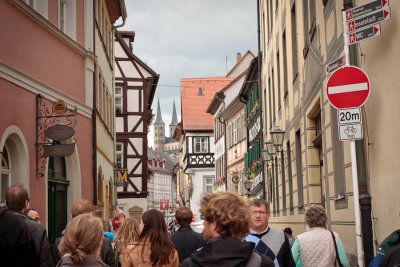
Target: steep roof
[174, 117]
[159, 120]
[241, 65]
[196, 95]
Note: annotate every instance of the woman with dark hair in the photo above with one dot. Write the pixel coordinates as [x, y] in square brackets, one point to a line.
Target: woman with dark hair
[154, 247]
[318, 246]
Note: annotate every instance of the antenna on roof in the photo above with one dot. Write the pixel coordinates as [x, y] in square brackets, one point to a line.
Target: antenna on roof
[226, 64]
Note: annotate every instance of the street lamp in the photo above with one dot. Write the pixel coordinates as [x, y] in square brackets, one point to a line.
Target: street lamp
[270, 146]
[247, 185]
[277, 136]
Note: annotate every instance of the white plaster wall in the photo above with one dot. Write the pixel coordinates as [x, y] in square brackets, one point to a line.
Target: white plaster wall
[198, 187]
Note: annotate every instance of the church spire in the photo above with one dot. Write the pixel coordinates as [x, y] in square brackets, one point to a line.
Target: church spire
[159, 120]
[174, 121]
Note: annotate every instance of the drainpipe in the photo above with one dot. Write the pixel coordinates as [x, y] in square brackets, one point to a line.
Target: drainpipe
[225, 148]
[94, 136]
[259, 87]
[365, 198]
[123, 14]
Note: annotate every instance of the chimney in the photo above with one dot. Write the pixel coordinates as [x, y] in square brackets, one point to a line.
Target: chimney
[238, 57]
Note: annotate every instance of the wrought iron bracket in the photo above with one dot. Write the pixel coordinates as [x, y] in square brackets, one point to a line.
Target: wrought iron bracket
[46, 117]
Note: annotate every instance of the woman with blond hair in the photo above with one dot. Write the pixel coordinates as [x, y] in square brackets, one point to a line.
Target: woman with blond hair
[153, 248]
[127, 234]
[81, 242]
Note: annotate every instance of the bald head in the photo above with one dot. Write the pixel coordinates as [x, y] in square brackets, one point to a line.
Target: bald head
[17, 198]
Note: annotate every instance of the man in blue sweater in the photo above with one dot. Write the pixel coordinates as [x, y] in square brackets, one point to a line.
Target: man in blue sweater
[269, 241]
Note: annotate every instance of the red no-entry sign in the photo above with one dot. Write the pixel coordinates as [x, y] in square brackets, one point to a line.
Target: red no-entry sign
[348, 87]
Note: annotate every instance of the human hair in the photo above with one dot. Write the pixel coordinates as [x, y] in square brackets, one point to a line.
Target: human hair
[127, 233]
[229, 211]
[155, 232]
[16, 197]
[258, 202]
[82, 237]
[288, 230]
[97, 212]
[316, 216]
[184, 216]
[81, 206]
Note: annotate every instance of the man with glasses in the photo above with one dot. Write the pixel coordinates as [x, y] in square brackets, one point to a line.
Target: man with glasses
[17, 201]
[268, 241]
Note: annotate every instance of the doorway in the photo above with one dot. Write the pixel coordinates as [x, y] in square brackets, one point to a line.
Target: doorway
[57, 197]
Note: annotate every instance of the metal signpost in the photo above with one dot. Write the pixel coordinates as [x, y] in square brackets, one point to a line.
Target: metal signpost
[364, 9]
[363, 34]
[334, 65]
[348, 87]
[367, 20]
[359, 24]
[350, 126]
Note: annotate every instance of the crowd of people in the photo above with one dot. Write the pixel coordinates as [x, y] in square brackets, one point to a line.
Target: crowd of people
[236, 233]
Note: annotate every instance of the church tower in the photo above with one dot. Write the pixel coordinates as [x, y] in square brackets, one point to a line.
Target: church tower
[174, 122]
[159, 130]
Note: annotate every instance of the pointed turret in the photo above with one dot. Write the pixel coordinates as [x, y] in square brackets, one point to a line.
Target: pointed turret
[159, 120]
[174, 121]
[159, 130]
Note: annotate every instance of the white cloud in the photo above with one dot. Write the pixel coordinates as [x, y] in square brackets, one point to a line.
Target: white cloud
[189, 38]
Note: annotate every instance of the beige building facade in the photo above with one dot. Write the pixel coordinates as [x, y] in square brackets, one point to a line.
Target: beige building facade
[298, 40]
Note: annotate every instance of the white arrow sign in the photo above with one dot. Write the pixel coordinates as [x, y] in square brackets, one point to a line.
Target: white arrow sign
[364, 34]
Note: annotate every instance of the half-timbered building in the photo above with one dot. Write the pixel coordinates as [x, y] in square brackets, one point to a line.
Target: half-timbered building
[197, 137]
[135, 85]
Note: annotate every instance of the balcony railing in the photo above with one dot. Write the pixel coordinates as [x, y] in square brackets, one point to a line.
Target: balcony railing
[199, 160]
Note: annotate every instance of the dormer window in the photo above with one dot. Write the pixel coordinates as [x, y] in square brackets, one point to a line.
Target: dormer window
[200, 92]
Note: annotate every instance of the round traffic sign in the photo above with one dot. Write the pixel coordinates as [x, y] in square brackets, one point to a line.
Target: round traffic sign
[348, 87]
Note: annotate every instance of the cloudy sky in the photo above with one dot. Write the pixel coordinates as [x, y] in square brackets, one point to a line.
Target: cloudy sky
[188, 39]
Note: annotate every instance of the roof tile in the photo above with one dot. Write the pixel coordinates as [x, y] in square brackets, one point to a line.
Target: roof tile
[194, 115]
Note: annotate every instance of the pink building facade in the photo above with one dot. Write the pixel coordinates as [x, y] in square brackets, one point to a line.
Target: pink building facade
[47, 49]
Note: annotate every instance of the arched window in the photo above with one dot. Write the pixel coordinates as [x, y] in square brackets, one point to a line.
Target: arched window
[5, 174]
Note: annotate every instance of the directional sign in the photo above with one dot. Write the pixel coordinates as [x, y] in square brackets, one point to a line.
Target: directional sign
[348, 87]
[348, 116]
[364, 9]
[334, 65]
[373, 18]
[364, 34]
[350, 132]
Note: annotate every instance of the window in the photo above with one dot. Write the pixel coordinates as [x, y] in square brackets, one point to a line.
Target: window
[285, 79]
[273, 95]
[5, 174]
[278, 69]
[289, 162]
[200, 145]
[119, 148]
[208, 184]
[63, 15]
[294, 40]
[200, 92]
[299, 171]
[338, 164]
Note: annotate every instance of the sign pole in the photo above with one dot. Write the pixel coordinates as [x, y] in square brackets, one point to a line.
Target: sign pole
[354, 164]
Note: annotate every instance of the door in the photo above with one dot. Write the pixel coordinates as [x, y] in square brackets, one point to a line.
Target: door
[57, 197]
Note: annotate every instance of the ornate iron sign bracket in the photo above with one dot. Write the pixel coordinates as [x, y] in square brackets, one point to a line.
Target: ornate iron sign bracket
[53, 125]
